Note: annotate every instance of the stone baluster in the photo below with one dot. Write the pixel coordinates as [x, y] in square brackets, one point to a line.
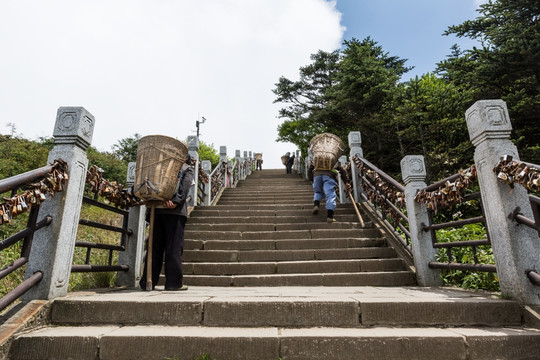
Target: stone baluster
[53, 246]
[133, 254]
[413, 172]
[207, 168]
[355, 144]
[231, 174]
[193, 151]
[246, 168]
[515, 247]
[341, 185]
[238, 160]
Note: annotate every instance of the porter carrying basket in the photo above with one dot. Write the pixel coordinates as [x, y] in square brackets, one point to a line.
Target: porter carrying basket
[159, 160]
[258, 156]
[326, 149]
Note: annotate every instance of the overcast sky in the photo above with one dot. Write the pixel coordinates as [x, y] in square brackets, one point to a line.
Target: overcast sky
[156, 66]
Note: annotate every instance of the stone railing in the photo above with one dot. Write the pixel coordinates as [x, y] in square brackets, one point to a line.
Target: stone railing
[49, 239]
[510, 215]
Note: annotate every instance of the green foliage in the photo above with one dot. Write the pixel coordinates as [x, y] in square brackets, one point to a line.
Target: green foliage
[208, 152]
[505, 66]
[114, 169]
[484, 254]
[20, 155]
[126, 148]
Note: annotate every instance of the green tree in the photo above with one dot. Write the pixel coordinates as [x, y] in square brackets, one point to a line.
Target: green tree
[126, 149]
[20, 155]
[208, 152]
[505, 66]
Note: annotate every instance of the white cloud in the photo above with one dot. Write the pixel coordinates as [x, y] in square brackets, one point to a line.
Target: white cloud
[153, 67]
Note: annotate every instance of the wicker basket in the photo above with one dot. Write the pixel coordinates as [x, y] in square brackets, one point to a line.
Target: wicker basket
[159, 159]
[258, 156]
[326, 149]
[284, 159]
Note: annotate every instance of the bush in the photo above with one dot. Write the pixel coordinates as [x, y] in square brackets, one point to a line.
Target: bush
[484, 254]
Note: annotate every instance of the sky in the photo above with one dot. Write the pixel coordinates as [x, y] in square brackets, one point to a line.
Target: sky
[156, 67]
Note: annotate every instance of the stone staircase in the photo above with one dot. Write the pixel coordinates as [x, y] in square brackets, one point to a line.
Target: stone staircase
[263, 233]
[270, 281]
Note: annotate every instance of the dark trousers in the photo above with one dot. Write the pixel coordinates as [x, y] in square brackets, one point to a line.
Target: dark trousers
[259, 165]
[289, 168]
[168, 243]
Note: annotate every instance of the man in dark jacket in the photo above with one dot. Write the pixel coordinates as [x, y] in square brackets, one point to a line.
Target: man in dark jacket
[290, 163]
[324, 185]
[168, 238]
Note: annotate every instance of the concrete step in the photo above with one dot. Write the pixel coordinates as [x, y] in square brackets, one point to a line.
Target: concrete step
[271, 226]
[351, 307]
[271, 343]
[268, 219]
[395, 278]
[287, 244]
[332, 232]
[287, 255]
[294, 267]
[300, 211]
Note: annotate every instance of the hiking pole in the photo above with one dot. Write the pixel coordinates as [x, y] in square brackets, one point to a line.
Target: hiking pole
[149, 247]
[350, 195]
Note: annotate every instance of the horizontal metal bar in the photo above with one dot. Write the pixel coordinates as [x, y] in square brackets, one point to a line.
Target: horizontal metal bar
[522, 219]
[28, 177]
[13, 266]
[534, 277]
[104, 226]
[460, 266]
[383, 175]
[20, 290]
[468, 197]
[458, 223]
[98, 268]
[461, 244]
[108, 207]
[91, 245]
[438, 184]
[25, 232]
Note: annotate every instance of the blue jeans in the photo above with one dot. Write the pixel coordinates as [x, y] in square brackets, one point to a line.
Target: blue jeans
[325, 186]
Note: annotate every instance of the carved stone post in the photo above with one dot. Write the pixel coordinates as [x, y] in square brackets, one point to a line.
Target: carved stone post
[355, 144]
[238, 160]
[230, 176]
[133, 255]
[53, 246]
[207, 167]
[247, 169]
[193, 151]
[413, 172]
[222, 154]
[515, 247]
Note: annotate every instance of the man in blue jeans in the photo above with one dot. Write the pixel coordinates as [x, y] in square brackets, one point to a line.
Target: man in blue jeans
[324, 186]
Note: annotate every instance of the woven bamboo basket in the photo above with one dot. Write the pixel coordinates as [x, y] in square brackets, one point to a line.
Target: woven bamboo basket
[159, 159]
[284, 159]
[258, 156]
[326, 149]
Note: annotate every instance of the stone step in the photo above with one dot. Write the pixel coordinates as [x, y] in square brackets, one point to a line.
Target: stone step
[290, 244]
[284, 234]
[271, 343]
[287, 255]
[299, 211]
[263, 202]
[270, 226]
[395, 278]
[268, 219]
[353, 307]
[294, 267]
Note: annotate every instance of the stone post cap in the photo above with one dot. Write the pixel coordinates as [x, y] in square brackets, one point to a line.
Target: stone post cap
[193, 142]
[343, 160]
[245, 154]
[237, 153]
[223, 150]
[413, 168]
[206, 165]
[130, 178]
[74, 125]
[250, 154]
[488, 119]
[355, 138]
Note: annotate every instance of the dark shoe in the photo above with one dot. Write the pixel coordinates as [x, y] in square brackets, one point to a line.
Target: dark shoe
[175, 288]
[315, 210]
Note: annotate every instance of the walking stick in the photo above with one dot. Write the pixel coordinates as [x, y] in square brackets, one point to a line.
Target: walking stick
[149, 248]
[350, 195]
